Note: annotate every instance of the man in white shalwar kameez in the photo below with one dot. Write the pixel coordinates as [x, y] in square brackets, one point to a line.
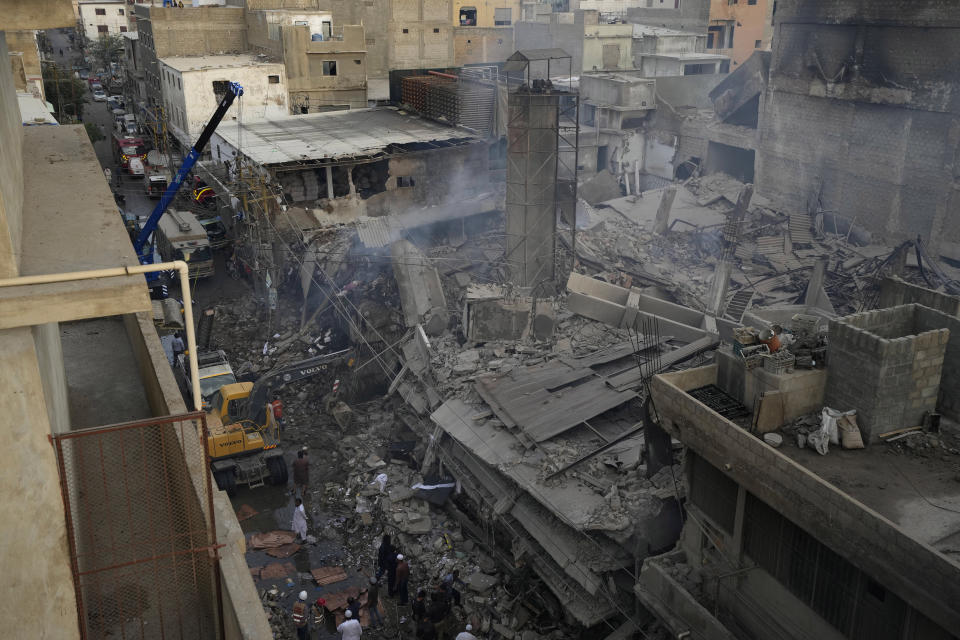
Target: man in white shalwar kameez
[300, 520]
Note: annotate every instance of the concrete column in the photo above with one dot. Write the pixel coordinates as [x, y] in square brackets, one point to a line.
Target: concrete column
[737, 544]
[353, 189]
[816, 281]
[46, 338]
[662, 221]
[329, 182]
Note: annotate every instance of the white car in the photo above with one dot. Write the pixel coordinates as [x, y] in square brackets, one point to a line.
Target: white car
[99, 96]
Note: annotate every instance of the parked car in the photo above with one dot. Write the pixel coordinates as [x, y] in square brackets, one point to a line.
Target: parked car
[99, 95]
[115, 101]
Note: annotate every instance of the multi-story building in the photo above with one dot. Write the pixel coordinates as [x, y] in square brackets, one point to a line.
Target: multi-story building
[785, 543]
[667, 52]
[25, 61]
[326, 65]
[855, 119]
[134, 77]
[399, 34]
[682, 15]
[740, 27]
[191, 31]
[483, 30]
[107, 540]
[103, 17]
[592, 46]
[193, 86]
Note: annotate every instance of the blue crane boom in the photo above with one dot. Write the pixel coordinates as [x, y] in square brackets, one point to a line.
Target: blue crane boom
[140, 246]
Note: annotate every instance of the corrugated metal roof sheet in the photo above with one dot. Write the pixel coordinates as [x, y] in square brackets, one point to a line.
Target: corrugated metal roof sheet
[545, 400]
[373, 232]
[333, 135]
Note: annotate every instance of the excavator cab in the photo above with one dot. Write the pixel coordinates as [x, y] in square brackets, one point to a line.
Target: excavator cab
[243, 431]
[242, 451]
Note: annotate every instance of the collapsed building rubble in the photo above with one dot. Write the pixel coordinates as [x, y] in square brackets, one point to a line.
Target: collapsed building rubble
[531, 402]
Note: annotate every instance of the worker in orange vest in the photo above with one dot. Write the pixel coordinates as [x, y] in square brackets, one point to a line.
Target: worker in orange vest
[277, 407]
[300, 616]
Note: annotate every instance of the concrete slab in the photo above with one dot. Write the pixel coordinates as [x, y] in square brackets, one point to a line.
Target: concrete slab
[65, 198]
[103, 383]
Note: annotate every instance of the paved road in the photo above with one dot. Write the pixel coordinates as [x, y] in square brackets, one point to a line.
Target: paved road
[217, 289]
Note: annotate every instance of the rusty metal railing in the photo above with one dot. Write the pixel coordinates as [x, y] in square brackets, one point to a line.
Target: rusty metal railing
[141, 530]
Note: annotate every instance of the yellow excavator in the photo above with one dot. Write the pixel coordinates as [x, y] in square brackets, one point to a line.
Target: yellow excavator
[243, 434]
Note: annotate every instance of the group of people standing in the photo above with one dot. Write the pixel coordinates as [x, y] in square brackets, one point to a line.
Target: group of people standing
[432, 619]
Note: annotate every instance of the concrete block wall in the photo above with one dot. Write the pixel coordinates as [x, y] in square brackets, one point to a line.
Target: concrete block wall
[894, 292]
[948, 398]
[198, 31]
[886, 366]
[916, 572]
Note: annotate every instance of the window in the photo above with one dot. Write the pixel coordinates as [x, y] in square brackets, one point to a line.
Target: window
[406, 30]
[102, 28]
[405, 181]
[220, 88]
[468, 16]
[713, 492]
[698, 69]
[123, 29]
[179, 86]
[273, 79]
[757, 44]
[329, 67]
[358, 62]
[838, 591]
[714, 37]
[436, 30]
[502, 17]
[121, 11]
[751, 1]
[100, 12]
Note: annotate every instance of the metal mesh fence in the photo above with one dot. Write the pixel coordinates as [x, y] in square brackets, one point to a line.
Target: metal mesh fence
[140, 528]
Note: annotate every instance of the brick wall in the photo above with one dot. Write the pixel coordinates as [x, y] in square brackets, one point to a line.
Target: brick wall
[914, 571]
[859, 97]
[887, 366]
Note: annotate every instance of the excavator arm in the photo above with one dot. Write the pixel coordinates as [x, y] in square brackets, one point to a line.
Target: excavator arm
[271, 380]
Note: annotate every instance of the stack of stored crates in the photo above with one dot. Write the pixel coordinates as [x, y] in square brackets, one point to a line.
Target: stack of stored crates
[414, 90]
[804, 329]
[443, 102]
[780, 362]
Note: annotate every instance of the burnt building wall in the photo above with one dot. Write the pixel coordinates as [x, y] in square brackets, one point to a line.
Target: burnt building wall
[862, 96]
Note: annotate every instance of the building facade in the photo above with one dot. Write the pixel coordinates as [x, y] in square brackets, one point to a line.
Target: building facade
[192, 31]
[103, 17]
[25, 62]
[683, 15]
[399, 34]
[855, 120]
[193, 86]
[739, 28]
[483, 30]
[326, 65]
[592, 46]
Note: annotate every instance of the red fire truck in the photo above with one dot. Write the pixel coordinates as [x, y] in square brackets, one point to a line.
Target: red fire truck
[130, 152]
